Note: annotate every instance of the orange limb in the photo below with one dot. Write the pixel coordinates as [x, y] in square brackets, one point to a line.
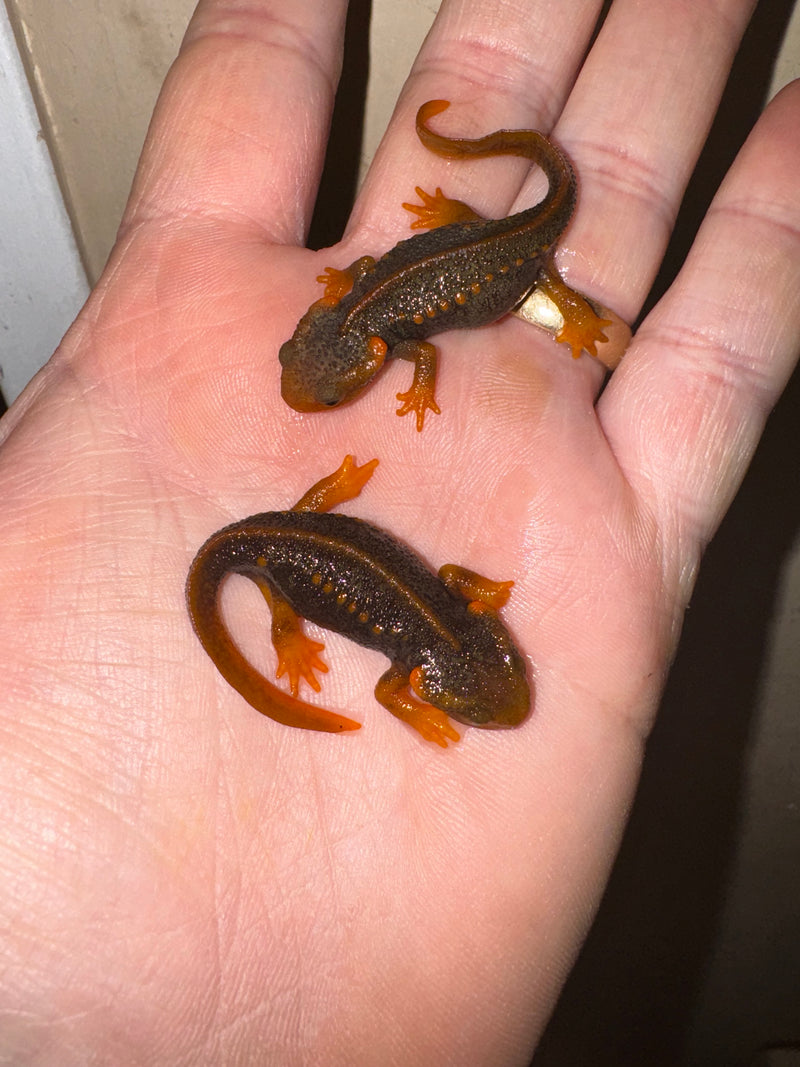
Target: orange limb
[420, 397]
[297, 652]
[392, 691]
[344, 484]
[298, 658]
[338, 283]
[583, 327]
[439, 210]
[482, 593]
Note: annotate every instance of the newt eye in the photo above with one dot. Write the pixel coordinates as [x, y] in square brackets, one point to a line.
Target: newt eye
[327, 397]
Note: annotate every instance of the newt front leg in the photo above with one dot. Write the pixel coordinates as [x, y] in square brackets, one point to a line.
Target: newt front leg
[419, 398]
[392, 691]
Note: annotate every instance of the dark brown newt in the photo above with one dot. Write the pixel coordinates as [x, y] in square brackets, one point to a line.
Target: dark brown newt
[468, 271]
[442, 634]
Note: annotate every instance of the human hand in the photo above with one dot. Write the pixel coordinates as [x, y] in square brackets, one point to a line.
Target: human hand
[184, 881]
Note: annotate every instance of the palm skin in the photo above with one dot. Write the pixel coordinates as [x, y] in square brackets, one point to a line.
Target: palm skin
[185, 881]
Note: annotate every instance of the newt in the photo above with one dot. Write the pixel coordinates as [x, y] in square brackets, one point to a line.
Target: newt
[467, 271]
[450, 655]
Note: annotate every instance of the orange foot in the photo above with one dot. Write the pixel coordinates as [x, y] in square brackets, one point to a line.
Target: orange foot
[583, 330]
[419, 399]
[437, 210]
[338, 283]
[297, 657]
[432, 724]
[582, 327]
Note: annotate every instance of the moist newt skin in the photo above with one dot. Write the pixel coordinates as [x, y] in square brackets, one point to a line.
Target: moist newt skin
[450, 655]
[467, 271]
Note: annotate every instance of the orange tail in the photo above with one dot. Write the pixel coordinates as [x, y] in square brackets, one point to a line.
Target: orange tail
[530, 144]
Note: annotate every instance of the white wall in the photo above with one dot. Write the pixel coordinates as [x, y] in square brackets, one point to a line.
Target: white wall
[42, 281]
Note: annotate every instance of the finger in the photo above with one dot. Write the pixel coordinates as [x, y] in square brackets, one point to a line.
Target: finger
[501, 65]
[685, 409]
[240, 127]
[634, 126]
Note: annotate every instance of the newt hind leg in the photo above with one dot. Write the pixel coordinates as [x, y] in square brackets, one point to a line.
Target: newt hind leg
[582, 327]
[298, 654]
[202, 590]
[437, 210]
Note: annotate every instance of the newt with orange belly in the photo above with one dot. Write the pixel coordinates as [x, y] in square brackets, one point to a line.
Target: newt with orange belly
[450, 654]
[468, 271]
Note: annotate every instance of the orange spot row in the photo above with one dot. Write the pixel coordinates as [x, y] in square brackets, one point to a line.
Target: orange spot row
[460, 298]
[341, 599]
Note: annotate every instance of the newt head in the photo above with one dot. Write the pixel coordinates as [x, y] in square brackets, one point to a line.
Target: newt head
[487, 688]
[322, 368]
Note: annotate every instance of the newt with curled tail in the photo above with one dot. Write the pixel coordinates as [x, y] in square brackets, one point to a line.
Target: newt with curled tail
[450, 654]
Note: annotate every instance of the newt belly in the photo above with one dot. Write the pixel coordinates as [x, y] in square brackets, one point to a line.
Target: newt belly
[467, 271]
[450, 655]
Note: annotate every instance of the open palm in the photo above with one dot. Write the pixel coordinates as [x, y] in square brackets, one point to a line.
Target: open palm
[185, 881]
